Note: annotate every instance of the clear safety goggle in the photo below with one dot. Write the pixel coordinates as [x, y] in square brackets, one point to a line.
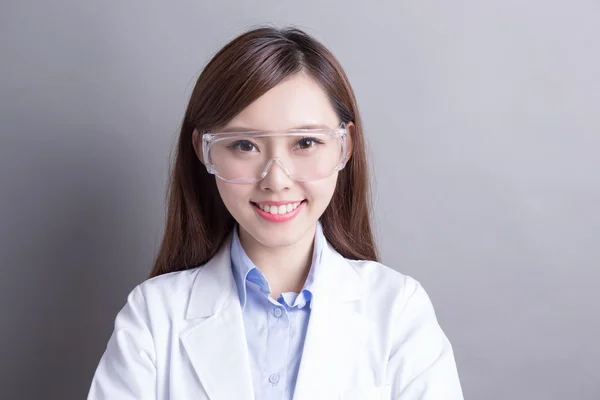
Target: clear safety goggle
[303, 154]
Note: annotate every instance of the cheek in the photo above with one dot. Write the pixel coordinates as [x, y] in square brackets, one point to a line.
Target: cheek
[232, 195]
[322, 191]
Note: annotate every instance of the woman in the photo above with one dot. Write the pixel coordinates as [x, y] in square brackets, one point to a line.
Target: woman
[267, 284]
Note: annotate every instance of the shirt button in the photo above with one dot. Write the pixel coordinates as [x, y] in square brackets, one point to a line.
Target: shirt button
[274, 378]
[277, 312]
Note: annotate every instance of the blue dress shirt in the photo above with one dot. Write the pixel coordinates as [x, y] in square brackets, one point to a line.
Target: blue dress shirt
[275, 329]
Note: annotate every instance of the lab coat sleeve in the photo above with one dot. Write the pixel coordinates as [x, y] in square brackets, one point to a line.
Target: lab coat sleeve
[421, 364]
[127, 368]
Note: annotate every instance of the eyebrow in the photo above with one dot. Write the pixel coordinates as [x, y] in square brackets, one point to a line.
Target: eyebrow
[245, 129]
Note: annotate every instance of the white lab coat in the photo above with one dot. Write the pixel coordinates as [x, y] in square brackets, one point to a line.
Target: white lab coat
[372, 335]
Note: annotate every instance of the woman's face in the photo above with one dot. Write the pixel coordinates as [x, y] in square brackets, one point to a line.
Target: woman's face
[297, 101]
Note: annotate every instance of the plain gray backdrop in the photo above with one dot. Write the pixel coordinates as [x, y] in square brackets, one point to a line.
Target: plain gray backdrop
[483, 120]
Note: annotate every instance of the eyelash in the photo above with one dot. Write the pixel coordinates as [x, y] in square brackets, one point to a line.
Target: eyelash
[313, 140]
[238, 144]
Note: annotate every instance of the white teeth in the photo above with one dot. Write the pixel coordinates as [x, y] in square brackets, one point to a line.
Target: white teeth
[277, 210]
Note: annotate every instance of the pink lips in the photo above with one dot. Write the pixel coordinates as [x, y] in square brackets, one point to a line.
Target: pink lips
[278, 217]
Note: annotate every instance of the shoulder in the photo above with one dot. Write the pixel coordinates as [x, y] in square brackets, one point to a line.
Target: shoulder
[387, 285]
[170, 283]
[419, 356]
[376, 275]
[165, 294]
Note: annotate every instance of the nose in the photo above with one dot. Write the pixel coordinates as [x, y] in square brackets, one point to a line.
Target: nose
[276, 178]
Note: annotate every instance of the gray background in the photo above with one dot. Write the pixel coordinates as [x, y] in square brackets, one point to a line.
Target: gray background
[483, 122]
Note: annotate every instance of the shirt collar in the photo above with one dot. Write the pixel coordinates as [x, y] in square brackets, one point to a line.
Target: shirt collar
[244, 270]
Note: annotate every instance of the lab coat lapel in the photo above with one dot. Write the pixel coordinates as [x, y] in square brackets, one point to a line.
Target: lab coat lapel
[335, 329]
[216, 341]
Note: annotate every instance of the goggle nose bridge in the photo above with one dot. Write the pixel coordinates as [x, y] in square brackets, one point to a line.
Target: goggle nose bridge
[281, 165]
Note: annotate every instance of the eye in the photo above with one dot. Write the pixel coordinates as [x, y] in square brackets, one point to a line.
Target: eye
[243, 145]
[307, 143]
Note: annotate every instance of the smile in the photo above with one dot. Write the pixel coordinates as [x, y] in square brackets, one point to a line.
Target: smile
[278, 209]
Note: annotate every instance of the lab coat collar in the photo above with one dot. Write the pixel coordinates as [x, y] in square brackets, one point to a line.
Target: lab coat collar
[216, 340]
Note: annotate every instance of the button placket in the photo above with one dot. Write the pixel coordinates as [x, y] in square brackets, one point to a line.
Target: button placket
[277, 350]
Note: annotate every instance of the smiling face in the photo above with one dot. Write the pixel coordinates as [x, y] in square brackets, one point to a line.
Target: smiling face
[278, 211]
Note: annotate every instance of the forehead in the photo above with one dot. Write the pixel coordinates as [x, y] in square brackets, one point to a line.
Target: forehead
[297, 101]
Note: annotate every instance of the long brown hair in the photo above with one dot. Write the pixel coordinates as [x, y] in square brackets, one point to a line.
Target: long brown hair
[242, 71]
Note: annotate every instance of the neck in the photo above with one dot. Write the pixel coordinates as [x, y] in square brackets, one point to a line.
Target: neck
[285, 267]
